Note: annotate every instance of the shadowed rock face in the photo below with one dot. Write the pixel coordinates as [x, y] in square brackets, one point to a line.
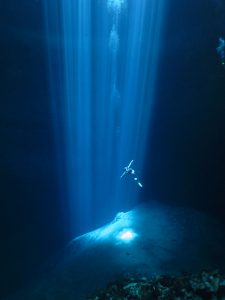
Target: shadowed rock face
[205, 285]
[168, 240]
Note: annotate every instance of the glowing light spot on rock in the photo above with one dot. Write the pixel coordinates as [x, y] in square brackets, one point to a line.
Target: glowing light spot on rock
[127, 235]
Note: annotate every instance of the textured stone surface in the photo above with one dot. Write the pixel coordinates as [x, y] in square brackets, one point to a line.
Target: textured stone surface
[168, 240]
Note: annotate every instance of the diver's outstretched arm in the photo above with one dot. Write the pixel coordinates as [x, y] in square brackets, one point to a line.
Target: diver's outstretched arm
[130, 164]
[127, 169]
[123, 174]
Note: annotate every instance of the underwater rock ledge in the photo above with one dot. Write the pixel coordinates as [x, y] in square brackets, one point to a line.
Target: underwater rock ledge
[204, 285]
[150, 240]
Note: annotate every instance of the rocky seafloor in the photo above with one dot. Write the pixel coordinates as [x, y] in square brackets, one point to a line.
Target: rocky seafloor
[204, 285]
[150, 240]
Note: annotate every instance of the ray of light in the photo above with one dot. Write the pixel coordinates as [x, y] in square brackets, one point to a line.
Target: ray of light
[103, 70]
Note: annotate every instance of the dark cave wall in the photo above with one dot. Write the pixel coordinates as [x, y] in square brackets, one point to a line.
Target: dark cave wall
[185, 157]
[31, 214]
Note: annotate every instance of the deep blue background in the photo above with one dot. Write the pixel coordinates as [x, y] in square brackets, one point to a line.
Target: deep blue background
[31, 211]
[185, 157]
[185, 160]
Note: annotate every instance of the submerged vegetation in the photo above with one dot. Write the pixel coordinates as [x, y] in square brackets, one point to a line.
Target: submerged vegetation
[204, 285]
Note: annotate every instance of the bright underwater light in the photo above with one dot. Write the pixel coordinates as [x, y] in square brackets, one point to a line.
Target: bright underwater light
[102, 75]
[119, 231]
[126, 235]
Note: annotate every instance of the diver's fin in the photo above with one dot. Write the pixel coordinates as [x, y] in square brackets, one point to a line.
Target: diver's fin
[140, 184]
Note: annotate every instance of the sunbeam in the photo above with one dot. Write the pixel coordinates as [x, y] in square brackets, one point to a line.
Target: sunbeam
[103, 73]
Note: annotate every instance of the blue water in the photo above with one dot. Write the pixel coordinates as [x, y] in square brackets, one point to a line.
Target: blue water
[89, 87]
[105, 72]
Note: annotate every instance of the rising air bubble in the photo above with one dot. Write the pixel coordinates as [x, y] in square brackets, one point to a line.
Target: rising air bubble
[114, 40]
[115, 5]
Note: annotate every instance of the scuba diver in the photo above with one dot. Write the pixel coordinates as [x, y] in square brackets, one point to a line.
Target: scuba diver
[129, 170]
[221, 51]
